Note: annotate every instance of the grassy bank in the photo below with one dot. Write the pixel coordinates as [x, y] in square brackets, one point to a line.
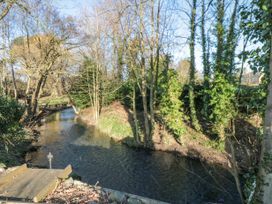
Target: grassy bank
[54, 101]
[113, 126]
[114, 121]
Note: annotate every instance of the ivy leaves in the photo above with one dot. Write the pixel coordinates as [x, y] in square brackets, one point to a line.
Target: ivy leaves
[222, 104]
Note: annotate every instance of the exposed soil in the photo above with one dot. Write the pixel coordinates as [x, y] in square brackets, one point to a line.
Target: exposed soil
[247, 142]
[86, 116]
[193, 148]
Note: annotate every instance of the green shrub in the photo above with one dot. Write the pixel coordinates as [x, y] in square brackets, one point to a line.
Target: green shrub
[83, 84]
[222, 104]
[13, 140]
[171, 105]
[10, 114]
[252, 99]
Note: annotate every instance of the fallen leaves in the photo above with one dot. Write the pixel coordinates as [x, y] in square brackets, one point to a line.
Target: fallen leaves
[71, 192]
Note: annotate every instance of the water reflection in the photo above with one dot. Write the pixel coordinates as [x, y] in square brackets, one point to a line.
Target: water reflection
[159, 175]
[92, 137]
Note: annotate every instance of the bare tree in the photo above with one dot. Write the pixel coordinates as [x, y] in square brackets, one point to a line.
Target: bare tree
[39, 52]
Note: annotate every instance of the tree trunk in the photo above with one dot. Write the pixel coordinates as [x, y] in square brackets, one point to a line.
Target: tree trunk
[136, 128]
[32, 102]
[144, 100]
[242, 65]
[146, 118]
[220, 36]
[206, 66]
[2, 85]
[35, 96]
[194, 119]
[119, 61]
[263, 193]
[143, 88]
[14, 83]
[152, 78]
[28, 86]
[231, 42]
[6, 9]
[157, 59]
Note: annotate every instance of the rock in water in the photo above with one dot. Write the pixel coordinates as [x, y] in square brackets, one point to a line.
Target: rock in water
[117, 196]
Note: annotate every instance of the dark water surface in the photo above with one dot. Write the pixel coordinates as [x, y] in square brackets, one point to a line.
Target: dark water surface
[158, 175]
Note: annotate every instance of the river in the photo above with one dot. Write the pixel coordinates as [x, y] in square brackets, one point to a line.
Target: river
[158, 175]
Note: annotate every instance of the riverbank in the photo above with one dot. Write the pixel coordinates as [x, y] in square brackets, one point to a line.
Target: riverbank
[117, 122]
[154, 174]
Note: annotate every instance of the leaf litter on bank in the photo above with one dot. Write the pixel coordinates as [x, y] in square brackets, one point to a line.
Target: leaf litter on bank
[77, 192]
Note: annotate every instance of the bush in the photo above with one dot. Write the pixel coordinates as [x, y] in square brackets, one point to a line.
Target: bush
[171, 105]
[222, 104]
[10, 114]
[252, 99]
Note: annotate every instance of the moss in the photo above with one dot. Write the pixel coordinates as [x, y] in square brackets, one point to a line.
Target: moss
[114, 126]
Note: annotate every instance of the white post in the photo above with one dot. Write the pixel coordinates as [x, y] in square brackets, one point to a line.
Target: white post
[50, 157]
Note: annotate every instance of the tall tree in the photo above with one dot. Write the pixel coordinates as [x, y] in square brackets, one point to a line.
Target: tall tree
[257, 26]
[39, 52]
[220, 36]
[205, 57]
[231, 42]
[264, 182]
[193, 115]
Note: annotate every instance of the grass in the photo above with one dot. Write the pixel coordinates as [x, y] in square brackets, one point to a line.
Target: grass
[114, 126]
[54, 101]
[218, 145]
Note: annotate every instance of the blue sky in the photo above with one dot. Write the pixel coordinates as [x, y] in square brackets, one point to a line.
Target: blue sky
[75, 7]
[71, 7]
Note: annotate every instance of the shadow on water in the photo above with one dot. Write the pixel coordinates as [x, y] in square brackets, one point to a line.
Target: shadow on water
[159, 175]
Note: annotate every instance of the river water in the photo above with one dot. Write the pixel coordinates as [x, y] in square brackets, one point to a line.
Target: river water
[158, 175]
